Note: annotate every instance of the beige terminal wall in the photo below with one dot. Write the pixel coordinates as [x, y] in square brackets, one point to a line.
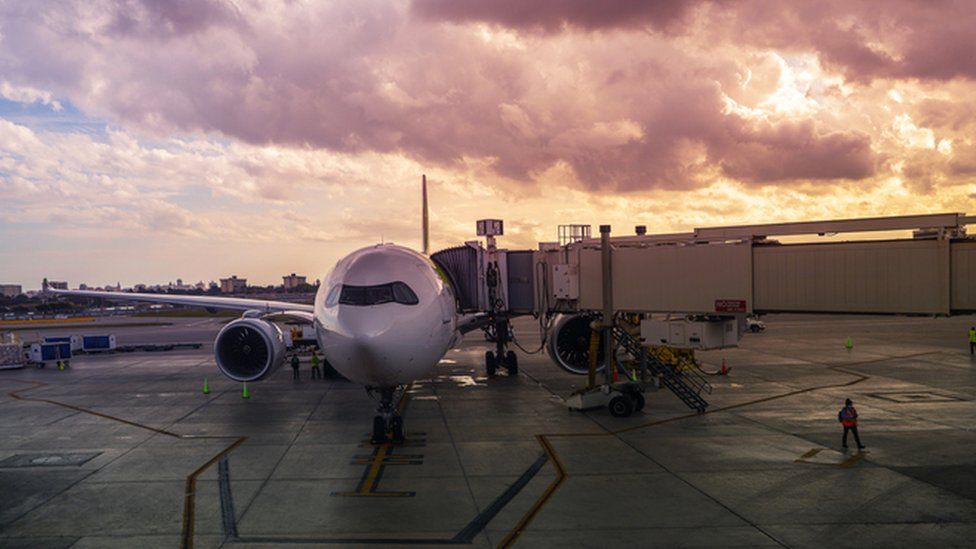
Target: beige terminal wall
[866, 277]
[964, 276]
[669, 278]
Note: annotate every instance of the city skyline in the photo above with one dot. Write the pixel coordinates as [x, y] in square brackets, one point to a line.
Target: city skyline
[149, 141]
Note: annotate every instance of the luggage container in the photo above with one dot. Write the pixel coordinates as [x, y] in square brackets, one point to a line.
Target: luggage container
[74, 340]
[96, 344]
[44, 352]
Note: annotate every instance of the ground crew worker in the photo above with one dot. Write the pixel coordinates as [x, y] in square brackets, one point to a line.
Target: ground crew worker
[848, 417]
[972, 340]
[316, 372]
[295, 363]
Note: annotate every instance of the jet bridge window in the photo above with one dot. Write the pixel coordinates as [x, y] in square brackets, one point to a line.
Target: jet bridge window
[394, 292]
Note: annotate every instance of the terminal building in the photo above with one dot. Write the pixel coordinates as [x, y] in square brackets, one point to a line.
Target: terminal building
[232, 285]
[294, 281]
[11, 290]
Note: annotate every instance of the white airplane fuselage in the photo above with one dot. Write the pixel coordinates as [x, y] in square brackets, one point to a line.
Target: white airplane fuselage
[379, 342]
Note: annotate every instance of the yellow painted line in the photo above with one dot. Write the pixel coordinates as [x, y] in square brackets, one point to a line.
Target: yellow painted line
[539, 503]
[189, 494]
[847, 463]
[382, 457]
[543, 439]
[374, 469]
[810, 454]
[47, 321]
[853, 460]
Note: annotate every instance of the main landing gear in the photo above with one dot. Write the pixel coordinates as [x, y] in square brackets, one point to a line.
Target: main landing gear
[388, 424]
[501, 357]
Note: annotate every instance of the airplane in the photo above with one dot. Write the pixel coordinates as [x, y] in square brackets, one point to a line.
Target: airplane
[384, 317]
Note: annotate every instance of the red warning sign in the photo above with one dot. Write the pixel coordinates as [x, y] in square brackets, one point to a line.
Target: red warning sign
[730, 305]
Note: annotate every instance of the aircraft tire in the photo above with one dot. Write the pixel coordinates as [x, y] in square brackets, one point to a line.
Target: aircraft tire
[379, 430]
[511, 363]
[491, 365]
[396, 430]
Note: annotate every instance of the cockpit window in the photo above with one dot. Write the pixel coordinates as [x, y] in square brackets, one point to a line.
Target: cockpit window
[394, 292]
[403, 294]
[333, 296]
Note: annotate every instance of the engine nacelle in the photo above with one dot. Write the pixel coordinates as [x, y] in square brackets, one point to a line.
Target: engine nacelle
[249, 349]
[568, 343]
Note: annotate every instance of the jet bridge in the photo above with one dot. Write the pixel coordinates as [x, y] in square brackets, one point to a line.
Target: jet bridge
[695, 290]
[741, 270]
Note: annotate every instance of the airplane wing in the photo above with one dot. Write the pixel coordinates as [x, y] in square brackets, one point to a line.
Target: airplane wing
[297, 310]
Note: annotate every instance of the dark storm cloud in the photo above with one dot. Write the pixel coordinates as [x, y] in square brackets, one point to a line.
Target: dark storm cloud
[627, 110]
[554, 15]
[863, 39]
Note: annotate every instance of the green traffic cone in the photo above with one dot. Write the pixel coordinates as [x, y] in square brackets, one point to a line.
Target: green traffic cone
[206, 387]
[245, 393]
[849, 344]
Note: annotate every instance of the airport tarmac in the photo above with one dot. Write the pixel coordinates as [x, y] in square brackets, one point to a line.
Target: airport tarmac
[125, 450]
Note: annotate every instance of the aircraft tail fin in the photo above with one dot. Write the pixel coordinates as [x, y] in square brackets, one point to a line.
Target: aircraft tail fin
[425, 230]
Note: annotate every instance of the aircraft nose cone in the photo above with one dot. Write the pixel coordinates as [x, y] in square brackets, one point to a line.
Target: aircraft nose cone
[363, 324]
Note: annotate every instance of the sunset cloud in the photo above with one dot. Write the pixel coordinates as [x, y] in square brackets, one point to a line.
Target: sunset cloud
[255, 122]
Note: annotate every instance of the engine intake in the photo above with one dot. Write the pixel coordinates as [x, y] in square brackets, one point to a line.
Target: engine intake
[249, 349]
[569, 344]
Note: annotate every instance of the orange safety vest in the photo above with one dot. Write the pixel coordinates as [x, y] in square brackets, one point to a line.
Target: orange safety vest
[848, 416]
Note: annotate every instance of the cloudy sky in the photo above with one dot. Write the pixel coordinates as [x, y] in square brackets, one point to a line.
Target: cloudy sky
[146, 140]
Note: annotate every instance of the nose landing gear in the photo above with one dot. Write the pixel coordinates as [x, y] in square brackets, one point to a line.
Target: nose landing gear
[388, 424]
[500, 333]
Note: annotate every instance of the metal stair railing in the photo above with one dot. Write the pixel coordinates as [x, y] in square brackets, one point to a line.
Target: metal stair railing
[687, 385]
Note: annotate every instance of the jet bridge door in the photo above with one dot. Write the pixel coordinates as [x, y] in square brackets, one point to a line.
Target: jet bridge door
[461, 265]
[520, 281]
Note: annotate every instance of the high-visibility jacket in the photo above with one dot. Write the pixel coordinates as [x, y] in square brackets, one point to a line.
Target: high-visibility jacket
[315, 361]
[848, 416]
[972, 336]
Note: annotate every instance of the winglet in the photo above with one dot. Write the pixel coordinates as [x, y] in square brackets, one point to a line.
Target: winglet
[425, 237]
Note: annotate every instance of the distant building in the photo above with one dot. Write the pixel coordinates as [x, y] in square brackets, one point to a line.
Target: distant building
[293, 281]
[232, 285]
[83, 286]
[11, 290]
[58, 285]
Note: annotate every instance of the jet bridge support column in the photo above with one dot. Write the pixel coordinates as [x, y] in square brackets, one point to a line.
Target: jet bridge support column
[606, 258]
[499, 323]
[625, 397]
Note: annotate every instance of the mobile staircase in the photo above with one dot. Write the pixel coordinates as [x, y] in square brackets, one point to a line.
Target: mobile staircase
[687, 385]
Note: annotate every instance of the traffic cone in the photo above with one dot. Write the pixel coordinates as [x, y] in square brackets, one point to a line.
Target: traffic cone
[849, 345]
[206, 387]
[724, 371]
[244, 392]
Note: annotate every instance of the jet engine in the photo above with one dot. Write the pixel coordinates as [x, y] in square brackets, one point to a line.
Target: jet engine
[569, 343]
[249, 349]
